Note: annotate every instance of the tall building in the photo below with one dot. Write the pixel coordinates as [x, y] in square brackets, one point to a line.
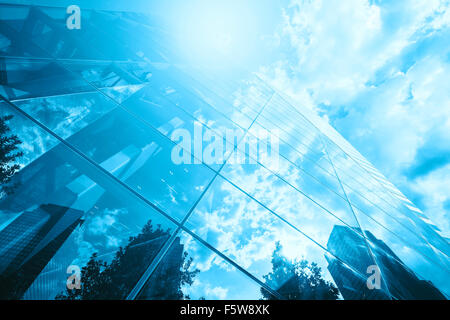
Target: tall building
[401, 281]
[104, 114]
[29, 242]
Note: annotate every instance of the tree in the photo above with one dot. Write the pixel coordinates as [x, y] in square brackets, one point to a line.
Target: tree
[100, 280]
[297, 280]
[8, 155]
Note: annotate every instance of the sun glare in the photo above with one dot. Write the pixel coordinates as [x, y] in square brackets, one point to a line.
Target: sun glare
[216, 32]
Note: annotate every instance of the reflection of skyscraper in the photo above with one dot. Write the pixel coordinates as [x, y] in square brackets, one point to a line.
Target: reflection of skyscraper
[29, 242]
[114, 92]
[402, 281]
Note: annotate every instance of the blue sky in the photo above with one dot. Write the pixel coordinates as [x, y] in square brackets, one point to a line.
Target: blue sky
[378, 71]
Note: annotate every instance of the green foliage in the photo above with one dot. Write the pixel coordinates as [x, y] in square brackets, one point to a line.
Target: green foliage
[297, 280]
[8, 155]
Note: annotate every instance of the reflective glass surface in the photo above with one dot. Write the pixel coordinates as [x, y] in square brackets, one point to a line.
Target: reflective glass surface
[135, 176]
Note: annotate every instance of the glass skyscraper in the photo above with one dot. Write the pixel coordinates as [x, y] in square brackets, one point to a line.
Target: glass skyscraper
[95, 111]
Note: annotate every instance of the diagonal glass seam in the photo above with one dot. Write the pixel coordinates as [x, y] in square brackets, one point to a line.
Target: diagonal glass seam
[331, 175]
[144, 121]
[376, 190]
[164, 250]
[293, 226]
[162, 212]
[208, 104]
[401, 239]
[351, 177]
[262, 165]
[406, 242]
[292, 186]
[69, 94]
[261, 116]
[205, 125]
[77, 60]
[218, 95]
[83, 156]
[384, 227]
[413, 231]
[247, 154]
[318, 165]
[234, 264]
[127, 110]
[230, 120]
[274, 173]
[313, 125]
[136, 116]
[366, 241]
[365, 237]
[359, 165]
[114, 179]
[147, 274]
[255, 120]
[132, 295]
[355, 206]
[240, 112]
[280, 177]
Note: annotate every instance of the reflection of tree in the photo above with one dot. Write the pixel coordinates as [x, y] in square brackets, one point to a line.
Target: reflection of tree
[297, 280]
[100, 280]
[8, 155]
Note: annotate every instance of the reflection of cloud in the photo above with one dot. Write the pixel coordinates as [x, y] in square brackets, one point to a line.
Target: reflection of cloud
[100, 224]
[379, 73]
[85, 249]
[113, 242]
[375, 70]
[246, 232]
[99, 234]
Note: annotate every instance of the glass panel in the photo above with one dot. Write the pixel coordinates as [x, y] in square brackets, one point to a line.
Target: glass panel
[119, 184]
[255, 238]
[315, 165]
[250, 96]
[63, 210]
[27, 78]
[189, 270]
[118, 80]
[305, 202]
[409, 274]
[32, 142]
[66, 115]
[138, 155]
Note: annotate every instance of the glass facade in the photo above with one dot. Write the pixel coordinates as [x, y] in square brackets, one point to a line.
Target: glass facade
[99, 209]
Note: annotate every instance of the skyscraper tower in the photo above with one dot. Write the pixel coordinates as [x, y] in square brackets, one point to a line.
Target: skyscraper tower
[29, 242]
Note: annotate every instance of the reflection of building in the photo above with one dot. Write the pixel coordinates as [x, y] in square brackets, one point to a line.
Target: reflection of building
[167, 278]
[402, 281]
[114, 92]
[29, 242]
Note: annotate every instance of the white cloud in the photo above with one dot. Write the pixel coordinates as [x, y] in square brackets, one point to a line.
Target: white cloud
[379, 72]
[102, 223]
[436, 199]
